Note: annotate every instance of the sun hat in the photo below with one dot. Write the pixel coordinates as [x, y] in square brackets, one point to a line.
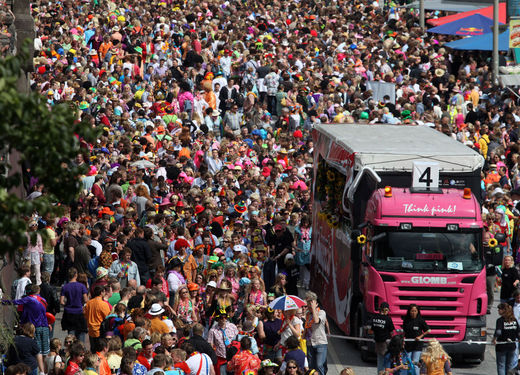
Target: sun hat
[174, 262]
[266, 171]
[268, 363]
[240, 207]
[240, 248]
[193, 286]
[244, 281]
[222, 313]
[105, 211]
[101, 272]
[439, 72]
[211, 284]
[156, 309]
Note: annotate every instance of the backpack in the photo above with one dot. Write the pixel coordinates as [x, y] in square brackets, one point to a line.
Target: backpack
[110, 326]
[232, 349]
[92, 265]
[187, 105]
[14, 287]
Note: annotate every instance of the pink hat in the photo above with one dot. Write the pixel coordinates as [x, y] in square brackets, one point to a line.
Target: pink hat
[299, 185]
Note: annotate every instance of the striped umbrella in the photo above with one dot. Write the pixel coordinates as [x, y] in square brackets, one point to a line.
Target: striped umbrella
[287, 303]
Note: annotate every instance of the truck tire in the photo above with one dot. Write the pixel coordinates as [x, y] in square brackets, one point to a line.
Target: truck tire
[365, 355]
[357, 327]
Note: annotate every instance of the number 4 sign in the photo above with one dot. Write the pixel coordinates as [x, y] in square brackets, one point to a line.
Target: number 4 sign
[425, 175]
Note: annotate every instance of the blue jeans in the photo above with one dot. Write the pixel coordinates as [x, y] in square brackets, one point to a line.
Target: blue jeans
[380, 363]
[317, 356]
[79, 335]
[416, 357]
[48, 263]
[515, 364]
[505, 361]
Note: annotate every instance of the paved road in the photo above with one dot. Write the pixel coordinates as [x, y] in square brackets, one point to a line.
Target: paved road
[342, 353]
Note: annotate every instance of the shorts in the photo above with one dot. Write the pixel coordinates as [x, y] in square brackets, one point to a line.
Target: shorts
[42, 337]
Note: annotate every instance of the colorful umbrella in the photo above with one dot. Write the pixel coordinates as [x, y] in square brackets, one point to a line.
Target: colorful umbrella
[486, 12]
[481, 42]
[287, 303]
[475, 24]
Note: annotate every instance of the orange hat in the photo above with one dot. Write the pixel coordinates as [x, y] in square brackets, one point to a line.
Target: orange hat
[185, 152]
[192, 287]
[160, 129]
[105, 210]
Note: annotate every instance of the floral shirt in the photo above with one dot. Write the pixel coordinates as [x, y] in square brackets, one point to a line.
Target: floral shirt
[242, 361]
[219, 337]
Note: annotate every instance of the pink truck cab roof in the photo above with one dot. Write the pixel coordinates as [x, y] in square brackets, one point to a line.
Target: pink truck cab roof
[423, 209]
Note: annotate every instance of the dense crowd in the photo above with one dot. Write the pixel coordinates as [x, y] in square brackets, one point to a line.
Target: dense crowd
[195, 212]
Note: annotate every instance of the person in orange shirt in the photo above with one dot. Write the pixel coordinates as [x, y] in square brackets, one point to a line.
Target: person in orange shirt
[95, 312]
[101, 351]
[157, 325]
[105, 47]
[148, 136]
[190, 266]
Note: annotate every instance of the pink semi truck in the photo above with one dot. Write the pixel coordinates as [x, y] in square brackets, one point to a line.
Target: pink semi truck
[397, 219]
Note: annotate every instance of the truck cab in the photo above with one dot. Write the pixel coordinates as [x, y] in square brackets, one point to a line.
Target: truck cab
[426, 248]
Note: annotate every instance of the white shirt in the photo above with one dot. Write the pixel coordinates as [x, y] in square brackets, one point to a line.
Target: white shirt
[174, 282]
[516, 311]
[287, 331]
[194, 363]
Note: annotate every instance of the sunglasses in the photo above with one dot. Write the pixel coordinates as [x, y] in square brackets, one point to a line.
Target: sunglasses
[291, 366]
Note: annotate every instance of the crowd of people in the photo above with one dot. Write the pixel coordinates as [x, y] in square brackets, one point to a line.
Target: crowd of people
[195, 211]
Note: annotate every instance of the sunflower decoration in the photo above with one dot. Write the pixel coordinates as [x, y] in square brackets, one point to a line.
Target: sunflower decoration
[361, 239]
[331, 176]
[493, 242]
[334, 221]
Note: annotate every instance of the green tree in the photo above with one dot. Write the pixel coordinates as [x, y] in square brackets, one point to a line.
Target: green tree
[48, 139]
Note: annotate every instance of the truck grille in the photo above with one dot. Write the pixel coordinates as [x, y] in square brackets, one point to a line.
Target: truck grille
[439, 307]
[427, 298]
[427, 289]
[432, 308]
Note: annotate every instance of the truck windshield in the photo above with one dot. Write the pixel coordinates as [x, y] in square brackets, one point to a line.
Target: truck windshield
[438, 252]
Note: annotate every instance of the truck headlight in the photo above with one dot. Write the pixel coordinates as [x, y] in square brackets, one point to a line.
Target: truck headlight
[476, 332]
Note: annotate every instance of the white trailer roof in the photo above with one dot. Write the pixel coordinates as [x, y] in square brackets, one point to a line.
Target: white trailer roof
[395, 147]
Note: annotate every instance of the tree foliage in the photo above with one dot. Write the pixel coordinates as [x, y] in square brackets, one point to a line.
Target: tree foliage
[48, 139]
